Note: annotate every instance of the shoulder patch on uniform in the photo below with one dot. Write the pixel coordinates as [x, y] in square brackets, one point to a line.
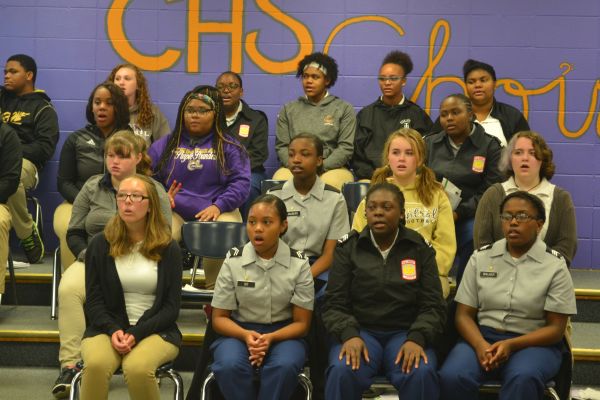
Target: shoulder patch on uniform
[331, 188]
[235, 252]
[485, 247]
[347, 236]
[297, 254]
[555, 253]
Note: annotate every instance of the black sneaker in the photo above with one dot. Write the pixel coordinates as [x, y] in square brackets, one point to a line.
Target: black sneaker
[33, 246]
[62, 386]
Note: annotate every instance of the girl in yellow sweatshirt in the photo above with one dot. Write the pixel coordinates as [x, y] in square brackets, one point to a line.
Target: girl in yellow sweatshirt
[427, 208]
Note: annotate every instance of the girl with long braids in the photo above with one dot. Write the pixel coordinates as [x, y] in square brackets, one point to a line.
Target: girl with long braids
[209, 171]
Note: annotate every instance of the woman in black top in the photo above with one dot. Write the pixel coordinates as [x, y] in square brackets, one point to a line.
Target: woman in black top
[463, 156]
[133, 286]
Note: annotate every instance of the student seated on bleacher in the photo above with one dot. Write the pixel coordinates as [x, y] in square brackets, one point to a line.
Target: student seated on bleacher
[465, 157]
[262, 309]
[82, 154]
[146, 119]
[513, 304]
[249, 126]
[10, 172]
[93, 207]
[211, 168]
[29, 112]
[133, 286]
[527, 162]
[383, 305]
[390, 112]
[321, 113]
[497, 119]
[426, 206]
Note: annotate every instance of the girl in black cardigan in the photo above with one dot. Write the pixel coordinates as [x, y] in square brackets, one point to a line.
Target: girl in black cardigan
[133, 284]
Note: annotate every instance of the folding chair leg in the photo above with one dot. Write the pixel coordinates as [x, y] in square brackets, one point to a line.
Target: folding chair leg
[56, 272]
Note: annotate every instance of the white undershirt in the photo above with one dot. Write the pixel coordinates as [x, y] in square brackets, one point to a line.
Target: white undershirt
[139, 277]
[384, 253]
[230, 120]
[493, 127]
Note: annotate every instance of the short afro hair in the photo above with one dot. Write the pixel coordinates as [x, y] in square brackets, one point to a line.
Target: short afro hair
[27, 62]
[531, 199]
[471, 65]
[399, 58]
[321, 59]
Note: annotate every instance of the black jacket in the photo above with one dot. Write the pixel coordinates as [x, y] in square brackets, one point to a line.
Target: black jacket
[10, 163]
[81, 157]
[251, 128]
[462, 169]
[105, 310]
[374, 123]
[365, 292]
[34, 119]
[511, 120]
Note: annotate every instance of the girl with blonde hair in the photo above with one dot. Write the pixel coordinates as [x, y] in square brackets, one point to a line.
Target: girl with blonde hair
[427, 208]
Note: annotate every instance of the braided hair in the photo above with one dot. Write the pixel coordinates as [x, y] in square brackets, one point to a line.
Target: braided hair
[219, 139]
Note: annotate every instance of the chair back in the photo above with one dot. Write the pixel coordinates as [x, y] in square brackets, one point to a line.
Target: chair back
[267, 184]
[354, 192]
[213, 239]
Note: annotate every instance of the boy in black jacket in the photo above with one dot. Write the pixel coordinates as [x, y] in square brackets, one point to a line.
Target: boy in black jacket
[32, 116]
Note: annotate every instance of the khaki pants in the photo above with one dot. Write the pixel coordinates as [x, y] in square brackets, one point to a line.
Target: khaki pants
[62, 215]
[335, 177]
[17, 203]
[71, 318]
[5, 223]
[139, 365]
[211, 266]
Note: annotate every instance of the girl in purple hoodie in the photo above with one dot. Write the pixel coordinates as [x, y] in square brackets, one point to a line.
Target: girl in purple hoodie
[209, 171]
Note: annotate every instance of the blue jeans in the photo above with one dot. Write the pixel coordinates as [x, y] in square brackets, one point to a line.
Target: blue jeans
[255, 179]
[523, 376]
[278, 374]
[345, 384]
[464, 246]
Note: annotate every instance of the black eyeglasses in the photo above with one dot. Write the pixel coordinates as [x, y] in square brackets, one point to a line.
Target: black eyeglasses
[520, 217]
[134, 197]
[231, 86]
[197, 111]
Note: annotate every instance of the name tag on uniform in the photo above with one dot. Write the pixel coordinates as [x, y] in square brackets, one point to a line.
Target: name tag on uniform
[249, 284]
[293, 213]
[487, 274]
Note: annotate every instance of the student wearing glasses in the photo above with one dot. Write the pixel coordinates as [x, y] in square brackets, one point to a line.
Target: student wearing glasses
[390, 112]
[249, 126]
[208, 169]
[527, 162]
[94, 206]
[513, 305]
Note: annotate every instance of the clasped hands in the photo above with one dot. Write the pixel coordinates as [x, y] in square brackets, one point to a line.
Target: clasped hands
[122, 342]
[491, 356]
[258, 346]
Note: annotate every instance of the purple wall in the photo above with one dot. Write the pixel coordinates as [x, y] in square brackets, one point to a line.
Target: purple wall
[527, 41]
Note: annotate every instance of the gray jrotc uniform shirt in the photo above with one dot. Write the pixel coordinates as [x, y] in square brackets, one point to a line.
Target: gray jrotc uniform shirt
[320, 215]
[263, 292]
[513, 295]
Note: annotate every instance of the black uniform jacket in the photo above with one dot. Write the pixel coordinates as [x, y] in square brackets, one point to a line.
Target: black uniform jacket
[251, 128]
[402, 293]
[472, 170]
[374, 123]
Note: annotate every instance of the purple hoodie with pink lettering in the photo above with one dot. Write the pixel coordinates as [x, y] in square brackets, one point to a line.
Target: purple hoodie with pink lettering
[194, 164]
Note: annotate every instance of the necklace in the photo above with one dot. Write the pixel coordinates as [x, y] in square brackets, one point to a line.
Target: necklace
[531, 188]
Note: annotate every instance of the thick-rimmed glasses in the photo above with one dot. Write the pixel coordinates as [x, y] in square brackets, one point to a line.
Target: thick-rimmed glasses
[519, 217]
[133, 197]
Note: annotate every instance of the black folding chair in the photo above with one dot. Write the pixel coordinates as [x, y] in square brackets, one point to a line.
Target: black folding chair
[210, 240]
[354, 192]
